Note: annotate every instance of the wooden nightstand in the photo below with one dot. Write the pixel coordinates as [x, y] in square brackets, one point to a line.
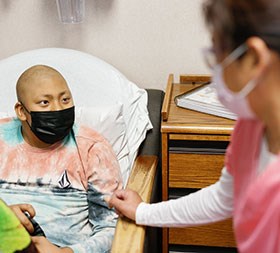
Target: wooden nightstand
[193, 146]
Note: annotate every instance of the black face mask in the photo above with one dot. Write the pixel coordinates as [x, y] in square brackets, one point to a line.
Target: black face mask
[52, 126]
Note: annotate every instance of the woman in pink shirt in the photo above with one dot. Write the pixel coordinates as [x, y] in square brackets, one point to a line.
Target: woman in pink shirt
[245, 60]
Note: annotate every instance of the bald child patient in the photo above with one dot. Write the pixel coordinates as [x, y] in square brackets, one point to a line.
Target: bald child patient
[62, 169]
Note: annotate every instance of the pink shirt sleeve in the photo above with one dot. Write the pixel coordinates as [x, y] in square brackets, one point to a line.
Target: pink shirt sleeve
[103, 168]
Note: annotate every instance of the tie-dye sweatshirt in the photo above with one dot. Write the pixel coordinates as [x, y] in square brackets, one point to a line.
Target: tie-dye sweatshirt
[66, 183]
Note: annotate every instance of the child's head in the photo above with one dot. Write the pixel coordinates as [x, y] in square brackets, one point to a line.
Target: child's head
[45, 105]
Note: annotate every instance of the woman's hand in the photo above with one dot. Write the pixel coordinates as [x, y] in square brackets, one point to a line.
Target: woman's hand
[125, 202]
[19, 210]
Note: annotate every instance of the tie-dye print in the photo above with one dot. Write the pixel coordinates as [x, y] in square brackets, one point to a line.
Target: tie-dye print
[66, 183]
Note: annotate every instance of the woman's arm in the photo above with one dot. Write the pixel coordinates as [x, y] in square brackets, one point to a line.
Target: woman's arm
[207, 205]
[210, 204]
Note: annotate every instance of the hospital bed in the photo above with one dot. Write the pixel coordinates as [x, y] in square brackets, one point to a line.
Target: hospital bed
[128, 116]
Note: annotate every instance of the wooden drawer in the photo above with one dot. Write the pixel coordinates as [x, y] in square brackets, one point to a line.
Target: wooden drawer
[193, 148]
[218, 234]
[194, 170]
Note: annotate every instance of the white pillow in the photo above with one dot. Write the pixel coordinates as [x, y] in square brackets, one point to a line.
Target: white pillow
[93, 82]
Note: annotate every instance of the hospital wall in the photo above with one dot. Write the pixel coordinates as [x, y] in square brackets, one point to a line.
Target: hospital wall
[145, 39]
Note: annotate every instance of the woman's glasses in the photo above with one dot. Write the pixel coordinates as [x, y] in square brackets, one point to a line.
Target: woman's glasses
[210, 56]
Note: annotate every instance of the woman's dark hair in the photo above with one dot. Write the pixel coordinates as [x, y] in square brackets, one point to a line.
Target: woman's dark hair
[235, 21]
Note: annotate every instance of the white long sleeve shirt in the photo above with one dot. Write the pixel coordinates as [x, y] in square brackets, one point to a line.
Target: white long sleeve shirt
[210, 204]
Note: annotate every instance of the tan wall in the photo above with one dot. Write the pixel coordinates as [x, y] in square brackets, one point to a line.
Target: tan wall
[145, 39]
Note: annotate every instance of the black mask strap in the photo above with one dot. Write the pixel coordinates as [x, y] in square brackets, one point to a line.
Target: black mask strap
[27, 112]
[24, 107]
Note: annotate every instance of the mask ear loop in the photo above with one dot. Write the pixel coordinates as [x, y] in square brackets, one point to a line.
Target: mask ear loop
[28, 113]
[235, 54]
[232, 57]
[24, 107]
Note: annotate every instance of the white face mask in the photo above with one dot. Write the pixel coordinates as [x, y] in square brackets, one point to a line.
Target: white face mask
[236, 102]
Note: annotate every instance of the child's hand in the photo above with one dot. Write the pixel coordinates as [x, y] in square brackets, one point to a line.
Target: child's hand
[45, 246]
[20, 210]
